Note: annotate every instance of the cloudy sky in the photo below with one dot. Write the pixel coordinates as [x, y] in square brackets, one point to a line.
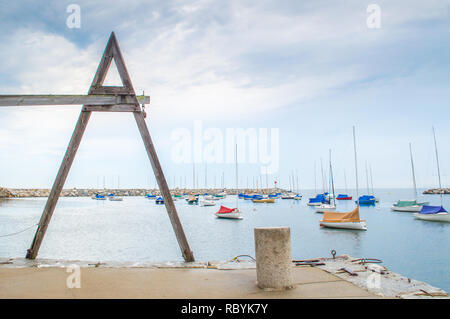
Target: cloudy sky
[310, 69]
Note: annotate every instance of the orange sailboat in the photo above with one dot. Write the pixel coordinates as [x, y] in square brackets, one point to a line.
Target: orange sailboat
[349, 220]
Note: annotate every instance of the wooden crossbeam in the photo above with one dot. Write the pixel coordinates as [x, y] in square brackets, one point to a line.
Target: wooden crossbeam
[92, 99]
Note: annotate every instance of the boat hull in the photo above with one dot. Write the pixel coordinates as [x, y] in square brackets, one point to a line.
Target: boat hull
[321, 209]
[207, 203]
[345, 225]
[314, 204]
[271, 200]
[434, 217]
[409, 209]
[344, 198]
[233, 215]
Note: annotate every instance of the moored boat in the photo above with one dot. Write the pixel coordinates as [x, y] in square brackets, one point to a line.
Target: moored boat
[343, 197]
[232, 213]
[193, 200]
[366, 200]
[207, 203]
[348, 220]
[408, 206]
[433, 213]
[115, 198]
[264, 200]
[159, 200]
[99, 197]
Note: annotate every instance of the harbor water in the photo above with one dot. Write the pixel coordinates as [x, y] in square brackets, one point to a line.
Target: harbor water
[136, 229]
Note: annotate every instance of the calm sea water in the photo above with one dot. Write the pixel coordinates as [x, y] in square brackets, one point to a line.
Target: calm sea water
[137, 229]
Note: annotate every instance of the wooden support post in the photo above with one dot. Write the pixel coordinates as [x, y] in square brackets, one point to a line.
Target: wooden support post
[59, 183]
[162, 183]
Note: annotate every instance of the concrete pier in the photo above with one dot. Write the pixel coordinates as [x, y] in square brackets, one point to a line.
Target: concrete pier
[273, 258]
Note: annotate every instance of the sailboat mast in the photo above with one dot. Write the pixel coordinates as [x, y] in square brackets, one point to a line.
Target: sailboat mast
[315, 178]
[367, 179]
[413, 173]
[237, 186]
[193, 175]
[345, 182]
[332, 182]
[371, 179]
[323, 180]
[437, 162]
[356, 165]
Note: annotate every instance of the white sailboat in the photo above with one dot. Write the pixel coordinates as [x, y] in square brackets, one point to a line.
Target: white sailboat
[324, 207]
[409, 205]
[434, 213]
[349, 220]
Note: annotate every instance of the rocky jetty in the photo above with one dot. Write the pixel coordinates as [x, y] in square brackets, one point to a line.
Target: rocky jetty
[434, 191]
[89, 192]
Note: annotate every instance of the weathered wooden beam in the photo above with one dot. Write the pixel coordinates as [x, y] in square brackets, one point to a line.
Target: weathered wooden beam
[104, 99]
[110, 90]
[58, 184]
[112, 108]
[164, 188]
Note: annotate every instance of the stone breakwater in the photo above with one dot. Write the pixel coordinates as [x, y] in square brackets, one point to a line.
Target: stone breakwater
[88, 192]
[437, 191]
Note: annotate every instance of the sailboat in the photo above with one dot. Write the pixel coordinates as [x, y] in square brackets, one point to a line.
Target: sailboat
[324, 207]
[350, 220]
[232, 213]
[409, 205]
[114, 198]
[434, 213]
[344, 196]
[366, 200]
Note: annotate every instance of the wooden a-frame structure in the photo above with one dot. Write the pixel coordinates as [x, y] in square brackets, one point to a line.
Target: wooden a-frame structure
[101, 99]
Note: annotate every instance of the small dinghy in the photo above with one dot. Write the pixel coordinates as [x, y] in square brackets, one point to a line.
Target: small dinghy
[159, 200]
[343, 197]
[114, 198]
[225, 212]
[99, 197]
[207, 203]
[193, 200]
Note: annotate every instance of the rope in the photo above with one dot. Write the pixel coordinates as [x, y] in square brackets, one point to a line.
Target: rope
[12, 234]
[237, 257]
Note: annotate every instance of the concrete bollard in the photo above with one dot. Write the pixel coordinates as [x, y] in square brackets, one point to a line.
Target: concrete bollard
[273, 258]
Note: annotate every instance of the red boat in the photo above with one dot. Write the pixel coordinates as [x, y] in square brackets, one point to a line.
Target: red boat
[225, 212]
[343, 197]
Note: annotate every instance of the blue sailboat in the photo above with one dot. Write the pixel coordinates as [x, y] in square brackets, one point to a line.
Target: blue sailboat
[434, 213]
